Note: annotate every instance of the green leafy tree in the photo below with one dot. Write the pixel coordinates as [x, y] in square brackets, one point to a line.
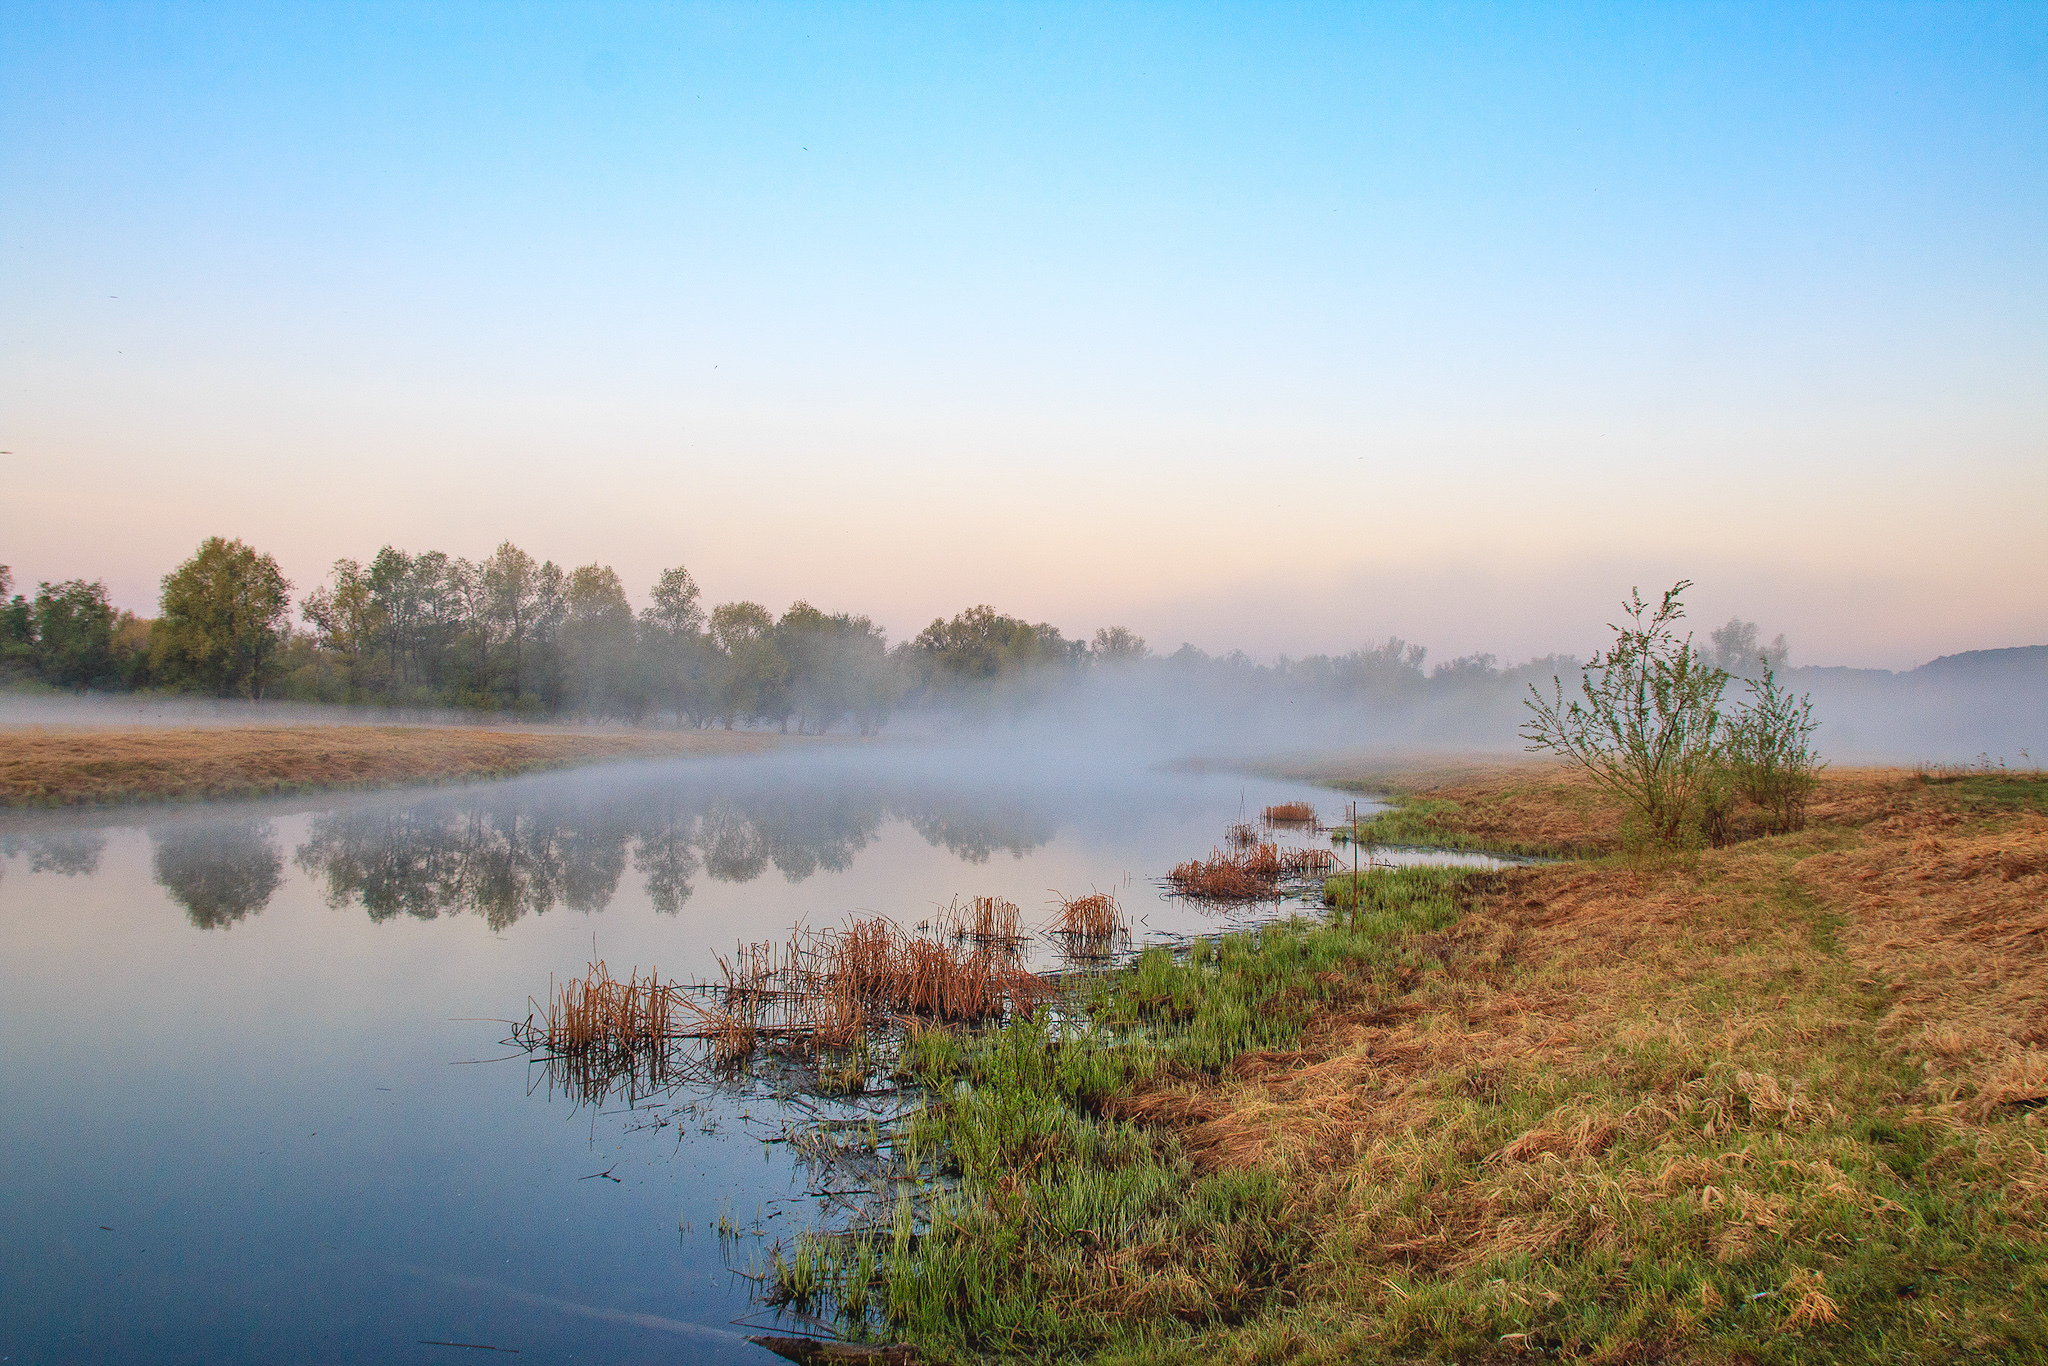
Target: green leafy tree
[74, 634]
[347, 621]
[752, 675]
[1117, 645]
[131, 649]
[836, 666]
[597, 644]
[17, 627]
[1645, 725]
[675, 653]
[513, 592]
[982, 644]
[222, 620]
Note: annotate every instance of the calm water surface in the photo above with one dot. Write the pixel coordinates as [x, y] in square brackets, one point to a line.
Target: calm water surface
[254, 1100]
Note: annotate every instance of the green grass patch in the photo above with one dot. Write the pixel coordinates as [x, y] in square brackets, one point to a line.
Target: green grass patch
[1992, 793]
[1415, 822]
[1060, 1229]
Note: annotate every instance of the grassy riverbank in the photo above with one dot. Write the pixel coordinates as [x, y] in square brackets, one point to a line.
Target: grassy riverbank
[84, 767]
[1773, 1103]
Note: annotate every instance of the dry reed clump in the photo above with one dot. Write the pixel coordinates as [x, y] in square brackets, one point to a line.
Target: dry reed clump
[1257, 873]
[816, 990]
[52, 767]
[826, 988]
[1093, 917]
[1241, 835]
[1290, 813]
[984, 920]
[599, 1012]
[1226, 877]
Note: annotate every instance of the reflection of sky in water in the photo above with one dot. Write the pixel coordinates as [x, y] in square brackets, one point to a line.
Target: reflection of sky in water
[238, 1039]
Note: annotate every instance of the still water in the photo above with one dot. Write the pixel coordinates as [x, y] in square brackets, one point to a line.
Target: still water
[255, 1102]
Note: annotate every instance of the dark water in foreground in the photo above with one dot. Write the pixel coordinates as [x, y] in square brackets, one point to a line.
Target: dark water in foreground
[254, 1103]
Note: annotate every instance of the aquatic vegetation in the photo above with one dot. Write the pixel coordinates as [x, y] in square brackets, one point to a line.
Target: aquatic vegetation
[1095, 916]
[1290, 813]
[1261, 872]
[820, 994]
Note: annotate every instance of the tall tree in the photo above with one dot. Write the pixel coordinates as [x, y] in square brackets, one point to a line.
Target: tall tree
[835, 663]
[1118, 645]
[752, 675]
[222, 620]
[597, 644]
[346, 619]
[17, 626]
[74, 634]
[673, 645]
[512, 586]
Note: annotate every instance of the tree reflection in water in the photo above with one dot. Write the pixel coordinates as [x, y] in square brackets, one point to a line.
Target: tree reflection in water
[507, 854]
[972, 833]
[219, 872]
[665, 853]
[74, 853]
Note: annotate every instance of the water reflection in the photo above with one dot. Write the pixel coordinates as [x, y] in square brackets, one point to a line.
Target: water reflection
[73, 853]
[974, 834]
[512, 853]
[219, 872]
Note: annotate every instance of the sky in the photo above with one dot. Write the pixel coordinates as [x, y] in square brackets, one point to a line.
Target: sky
[1282, 328]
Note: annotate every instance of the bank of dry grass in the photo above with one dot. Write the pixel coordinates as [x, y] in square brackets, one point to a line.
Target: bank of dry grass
[1777, 1102]
[1774, 1103]
[84, 767]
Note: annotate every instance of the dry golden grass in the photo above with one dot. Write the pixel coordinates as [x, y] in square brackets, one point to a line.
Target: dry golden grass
[49, 767]
[1953, 926]
[1692, 1063]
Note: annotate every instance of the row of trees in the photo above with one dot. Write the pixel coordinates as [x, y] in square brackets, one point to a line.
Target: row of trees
[511, 633]
[220, 629]
[515, 634]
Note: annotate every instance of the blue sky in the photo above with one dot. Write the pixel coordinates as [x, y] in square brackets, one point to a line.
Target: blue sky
[1276, 327]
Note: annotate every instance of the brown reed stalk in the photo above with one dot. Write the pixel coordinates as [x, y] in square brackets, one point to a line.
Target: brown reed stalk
[1095, 916]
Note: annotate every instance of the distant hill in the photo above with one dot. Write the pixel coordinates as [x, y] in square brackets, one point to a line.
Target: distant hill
[2028, 660]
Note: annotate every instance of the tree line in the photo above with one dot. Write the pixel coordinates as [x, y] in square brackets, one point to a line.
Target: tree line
[508, 633]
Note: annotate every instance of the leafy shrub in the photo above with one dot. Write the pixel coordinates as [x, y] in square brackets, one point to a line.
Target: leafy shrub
[1768, 746]
[1647, 724]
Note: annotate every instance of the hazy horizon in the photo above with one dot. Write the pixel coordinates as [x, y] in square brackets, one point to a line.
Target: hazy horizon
[1270, 331]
